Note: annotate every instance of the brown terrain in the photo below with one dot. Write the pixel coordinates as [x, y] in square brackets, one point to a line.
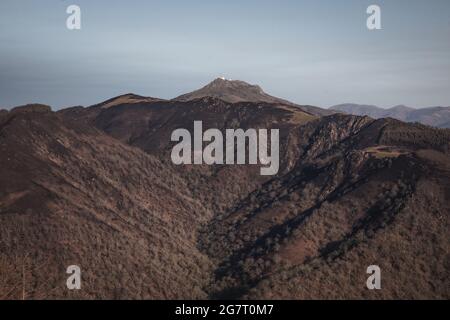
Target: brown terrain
[95, 187]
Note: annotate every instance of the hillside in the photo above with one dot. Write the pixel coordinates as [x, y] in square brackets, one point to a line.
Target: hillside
[70, 194]
[346, 184]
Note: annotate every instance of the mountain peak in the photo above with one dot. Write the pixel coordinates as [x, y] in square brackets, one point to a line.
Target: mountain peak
[34, 107]
[401, 107]
[223, 83]
[234, 91]
[222, 78]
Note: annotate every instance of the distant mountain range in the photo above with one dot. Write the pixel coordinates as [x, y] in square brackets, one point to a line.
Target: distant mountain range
[433, 116]
[95, 187]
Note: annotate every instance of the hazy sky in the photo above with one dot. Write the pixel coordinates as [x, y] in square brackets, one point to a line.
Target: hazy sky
[311, 52]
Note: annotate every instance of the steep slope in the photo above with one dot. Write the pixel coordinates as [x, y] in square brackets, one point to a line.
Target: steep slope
[70, 194]
[239, 91]
[433, 116]
[357, 199]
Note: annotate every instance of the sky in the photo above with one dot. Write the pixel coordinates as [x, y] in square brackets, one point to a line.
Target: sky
[317, 52]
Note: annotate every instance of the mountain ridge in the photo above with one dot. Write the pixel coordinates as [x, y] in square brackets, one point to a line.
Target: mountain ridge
[433, 116]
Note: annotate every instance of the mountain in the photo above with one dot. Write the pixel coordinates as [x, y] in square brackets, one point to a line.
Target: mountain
[96, 187]
[239, 91]
[433, 116]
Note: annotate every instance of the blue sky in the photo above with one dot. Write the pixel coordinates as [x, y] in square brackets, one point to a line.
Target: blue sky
[315, 52]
